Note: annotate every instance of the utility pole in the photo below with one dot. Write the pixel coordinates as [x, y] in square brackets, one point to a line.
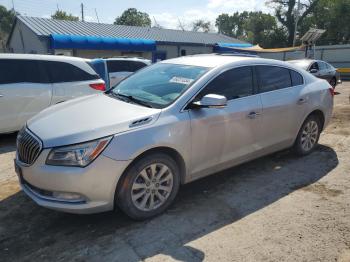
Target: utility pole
[82, 12]
[297, 14]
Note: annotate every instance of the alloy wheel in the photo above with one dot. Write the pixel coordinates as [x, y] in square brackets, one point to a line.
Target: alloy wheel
[152, 187]
[309, 135]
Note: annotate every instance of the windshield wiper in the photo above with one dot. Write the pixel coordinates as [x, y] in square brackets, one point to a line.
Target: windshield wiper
[132, 99]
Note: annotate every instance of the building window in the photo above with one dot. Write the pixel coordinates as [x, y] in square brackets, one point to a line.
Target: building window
[183, 52]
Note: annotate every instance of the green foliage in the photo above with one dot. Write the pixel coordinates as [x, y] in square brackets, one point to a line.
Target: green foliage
[201, 26]
[63, 15]
[7, 17]
[278, 31]
[285, 12]
[254, 27]
[133, 17]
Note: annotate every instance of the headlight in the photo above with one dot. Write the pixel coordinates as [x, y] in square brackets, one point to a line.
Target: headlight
[77, 155]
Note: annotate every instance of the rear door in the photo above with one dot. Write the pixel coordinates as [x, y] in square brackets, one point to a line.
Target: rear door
[324, 71]
[24, 91]
[283, 105]
[221, 136]
[70, 81]
[120, 69]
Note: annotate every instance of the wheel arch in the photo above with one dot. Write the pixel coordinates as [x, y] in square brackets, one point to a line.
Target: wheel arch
[174, 154]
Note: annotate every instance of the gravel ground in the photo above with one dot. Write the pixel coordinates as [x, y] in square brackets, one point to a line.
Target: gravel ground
[277, 208]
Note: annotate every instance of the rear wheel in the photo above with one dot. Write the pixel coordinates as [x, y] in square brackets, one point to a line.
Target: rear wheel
[308, 136]
[149, 186]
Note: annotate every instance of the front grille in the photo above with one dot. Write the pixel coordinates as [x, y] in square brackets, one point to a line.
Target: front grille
[28, 147]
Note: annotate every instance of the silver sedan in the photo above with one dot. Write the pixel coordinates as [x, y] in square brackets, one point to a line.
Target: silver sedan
[169, 124]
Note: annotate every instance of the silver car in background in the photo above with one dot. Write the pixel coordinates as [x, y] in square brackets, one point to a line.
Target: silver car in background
[168, 124]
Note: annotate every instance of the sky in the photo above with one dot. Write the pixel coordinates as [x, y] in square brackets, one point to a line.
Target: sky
[166, 13]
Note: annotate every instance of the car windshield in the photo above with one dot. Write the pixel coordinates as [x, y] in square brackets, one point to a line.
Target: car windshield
[300, 63]
[160, 84]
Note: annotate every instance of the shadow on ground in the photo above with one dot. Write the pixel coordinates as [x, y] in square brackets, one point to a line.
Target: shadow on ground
[29, 232]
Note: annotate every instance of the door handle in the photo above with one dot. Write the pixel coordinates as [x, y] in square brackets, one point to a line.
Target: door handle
[253, 115]
[301, 101]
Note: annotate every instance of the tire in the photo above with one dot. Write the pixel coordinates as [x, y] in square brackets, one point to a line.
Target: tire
[333, 82]
[143, 180]
[309, 131]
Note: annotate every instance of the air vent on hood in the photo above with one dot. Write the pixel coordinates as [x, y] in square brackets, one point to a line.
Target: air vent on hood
[141, 122]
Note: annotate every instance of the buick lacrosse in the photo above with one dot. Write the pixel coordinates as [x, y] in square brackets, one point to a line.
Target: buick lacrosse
[167, 125]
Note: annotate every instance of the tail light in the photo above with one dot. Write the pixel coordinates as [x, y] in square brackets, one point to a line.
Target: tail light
[98, 86]
[331, 90]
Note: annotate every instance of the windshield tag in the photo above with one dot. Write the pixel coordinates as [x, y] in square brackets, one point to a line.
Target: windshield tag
[181, 80]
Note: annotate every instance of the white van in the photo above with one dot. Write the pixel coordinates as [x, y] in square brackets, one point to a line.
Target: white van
[31, 83]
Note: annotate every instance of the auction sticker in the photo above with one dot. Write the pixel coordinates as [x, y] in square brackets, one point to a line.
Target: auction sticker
[181, 80]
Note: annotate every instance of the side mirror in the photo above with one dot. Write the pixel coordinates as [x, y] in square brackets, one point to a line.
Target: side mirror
[211, 101]
[313, 71]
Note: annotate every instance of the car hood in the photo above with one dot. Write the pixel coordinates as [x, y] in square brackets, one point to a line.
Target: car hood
[88, 118]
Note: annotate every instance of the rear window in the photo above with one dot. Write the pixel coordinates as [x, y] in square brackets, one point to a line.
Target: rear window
[273, 78]
[22, 71]
[124, 66]
[64, 72]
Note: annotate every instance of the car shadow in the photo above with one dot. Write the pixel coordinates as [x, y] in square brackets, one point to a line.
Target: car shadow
[7, 143]
[31, 232]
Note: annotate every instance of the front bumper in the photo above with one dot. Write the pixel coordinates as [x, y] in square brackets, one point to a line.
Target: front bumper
[96, 183]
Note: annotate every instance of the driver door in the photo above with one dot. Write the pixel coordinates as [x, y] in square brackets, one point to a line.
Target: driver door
[222, 137]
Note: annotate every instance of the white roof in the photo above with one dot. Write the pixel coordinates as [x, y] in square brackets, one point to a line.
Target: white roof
[216, 60]
[43, 57]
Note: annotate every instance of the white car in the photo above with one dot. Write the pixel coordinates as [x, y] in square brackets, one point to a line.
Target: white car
[114, 70]
[31, 83]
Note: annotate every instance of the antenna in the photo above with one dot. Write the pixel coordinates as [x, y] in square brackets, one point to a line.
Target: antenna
[13, 5]
[98, 20]
[82, 12]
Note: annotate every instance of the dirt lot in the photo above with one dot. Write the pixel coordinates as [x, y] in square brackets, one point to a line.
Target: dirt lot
[277, 208]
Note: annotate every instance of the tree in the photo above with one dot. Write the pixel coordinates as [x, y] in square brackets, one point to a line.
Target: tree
[285, 11]
[63, 15]
[231, 25]
[7, 17]
[331, 15]
[254, 27]
[262, 29]
[201, 25]
[133, 17]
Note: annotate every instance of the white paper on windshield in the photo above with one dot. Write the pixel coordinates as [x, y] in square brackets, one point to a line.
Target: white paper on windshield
[181, 80]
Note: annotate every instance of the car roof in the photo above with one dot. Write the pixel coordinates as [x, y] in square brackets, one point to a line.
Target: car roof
[218, 60]
[43, 57]
[126, 58]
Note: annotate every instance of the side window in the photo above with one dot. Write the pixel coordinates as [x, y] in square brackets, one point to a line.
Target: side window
[61, 72]
[273, 78]
[314, 66]
[234, 83]
[297, 79]
[322, 66]
[9, 71]
[22, 71]
[118, 66]
[134, 66]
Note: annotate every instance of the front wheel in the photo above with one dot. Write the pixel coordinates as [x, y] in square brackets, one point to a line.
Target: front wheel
[149, 186]
[308, 136]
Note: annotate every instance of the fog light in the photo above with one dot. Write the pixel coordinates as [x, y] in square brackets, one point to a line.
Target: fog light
[73, 197]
